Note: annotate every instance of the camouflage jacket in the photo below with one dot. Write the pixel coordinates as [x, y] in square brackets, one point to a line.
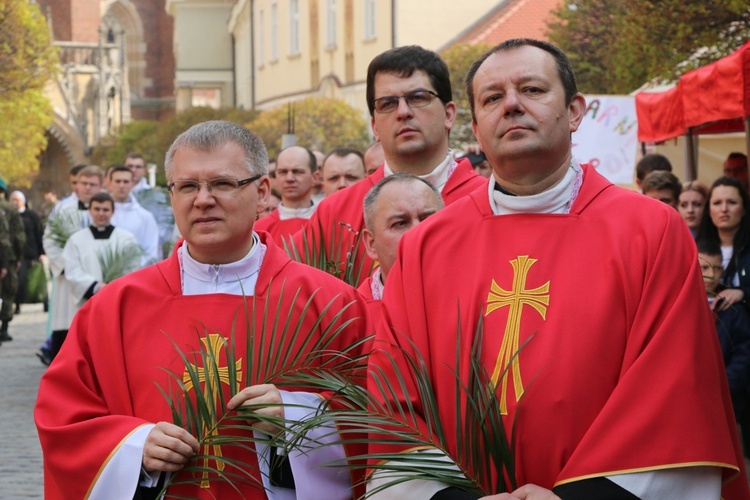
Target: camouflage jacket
[16, 233]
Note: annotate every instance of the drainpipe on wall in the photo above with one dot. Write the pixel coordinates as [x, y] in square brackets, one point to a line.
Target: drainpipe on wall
[252, 54]
[234, 72]
[393, 24]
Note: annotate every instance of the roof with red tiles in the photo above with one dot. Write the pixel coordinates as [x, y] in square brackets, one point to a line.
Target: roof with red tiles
[510, 19]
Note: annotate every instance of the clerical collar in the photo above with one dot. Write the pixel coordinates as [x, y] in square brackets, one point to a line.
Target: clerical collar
[82, 205]
[235, 278]
[438, 177]
[296, 213]
[102, 233]
[556, 200]
[377, 285]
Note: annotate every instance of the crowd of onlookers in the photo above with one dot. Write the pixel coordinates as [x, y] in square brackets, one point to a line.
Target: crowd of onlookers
[718, 220]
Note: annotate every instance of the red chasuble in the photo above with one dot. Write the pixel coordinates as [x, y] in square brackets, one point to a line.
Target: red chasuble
[281, 230]
[339, 218]
[620, 372]
[105, 382]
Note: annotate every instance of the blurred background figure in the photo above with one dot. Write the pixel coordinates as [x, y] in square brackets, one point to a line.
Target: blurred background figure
[374, 157]
[14, 255]
[32, 283]
[477, 158]
[692, 202]
[317, 190]
[480, 164]
[725, 221]
[274, 200]
[663, 186]
[736, 166]
[342, 168]
[650, 163]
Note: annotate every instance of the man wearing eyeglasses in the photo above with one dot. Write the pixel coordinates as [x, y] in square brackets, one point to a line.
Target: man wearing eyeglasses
[136, 163]
[297, 172]
[583, 306]
[221, 293]
[410, 100]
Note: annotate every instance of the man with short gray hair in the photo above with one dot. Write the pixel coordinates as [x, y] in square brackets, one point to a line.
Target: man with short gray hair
[209, 307]
[392, 207]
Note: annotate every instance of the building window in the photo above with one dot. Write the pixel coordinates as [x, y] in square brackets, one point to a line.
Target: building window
[369, 28]
[205, 97]
[293, 27]
[331, 23]
[274, 32]
[261, 37]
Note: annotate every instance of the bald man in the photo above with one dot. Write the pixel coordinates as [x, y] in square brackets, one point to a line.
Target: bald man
[296, 174]
[342, 168]
[391, 208]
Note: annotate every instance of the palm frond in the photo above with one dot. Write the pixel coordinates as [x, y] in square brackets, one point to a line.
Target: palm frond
[118, 260]
[400, 410]
[343, 257]
[63, 223]
[282, 348]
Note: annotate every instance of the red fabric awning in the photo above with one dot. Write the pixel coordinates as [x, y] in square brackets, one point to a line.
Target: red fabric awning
[709, 100]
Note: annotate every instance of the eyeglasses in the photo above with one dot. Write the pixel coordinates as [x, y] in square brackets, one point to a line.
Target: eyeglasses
[416, 99]
[221, 186]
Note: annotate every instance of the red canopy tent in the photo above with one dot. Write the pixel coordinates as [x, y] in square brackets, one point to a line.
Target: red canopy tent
[713, 99]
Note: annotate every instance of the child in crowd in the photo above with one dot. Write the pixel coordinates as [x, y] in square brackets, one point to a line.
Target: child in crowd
[732, 325]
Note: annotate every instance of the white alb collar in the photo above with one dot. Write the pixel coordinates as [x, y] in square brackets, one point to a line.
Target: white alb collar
[295, 213]
[438, 177]
[556, 200]
[376, 286]
[236, 278]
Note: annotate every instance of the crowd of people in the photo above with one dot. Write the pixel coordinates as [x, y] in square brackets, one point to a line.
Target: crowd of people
[612, 329]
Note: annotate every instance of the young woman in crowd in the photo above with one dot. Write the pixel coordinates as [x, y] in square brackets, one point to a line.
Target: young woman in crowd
[691, 204]
[725, 221]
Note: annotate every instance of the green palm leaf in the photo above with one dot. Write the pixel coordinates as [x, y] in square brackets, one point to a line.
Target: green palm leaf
[482, 450]
[343, 257]
[198, 401]
[63, 223]
[118, 260]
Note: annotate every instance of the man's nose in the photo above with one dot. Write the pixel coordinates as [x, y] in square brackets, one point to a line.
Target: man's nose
[511, 103]
[403, 108]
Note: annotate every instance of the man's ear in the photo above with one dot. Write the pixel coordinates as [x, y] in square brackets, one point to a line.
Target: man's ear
[369, 240]
[264, 194]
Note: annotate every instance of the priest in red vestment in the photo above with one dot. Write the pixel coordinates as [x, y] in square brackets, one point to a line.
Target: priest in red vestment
[104, 423]
[394, 206]
[410, 100]
[296, 172]
[595, 331]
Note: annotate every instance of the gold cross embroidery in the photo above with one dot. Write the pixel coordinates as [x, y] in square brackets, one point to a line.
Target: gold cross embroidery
[211, 376]
[515, 299]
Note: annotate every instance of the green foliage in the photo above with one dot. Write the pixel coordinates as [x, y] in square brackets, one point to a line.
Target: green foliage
[152, 139]
[615, 47]
[319, 123]
[400, 408]
[62, 224]
[459, 59]
[36, 284]
[27, 62]
[27, 57]
[342, 258]
[198, 402]
[117, 261]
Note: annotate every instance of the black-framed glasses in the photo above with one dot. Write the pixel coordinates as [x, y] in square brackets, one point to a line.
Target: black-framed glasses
[415, 99]
[221, 186]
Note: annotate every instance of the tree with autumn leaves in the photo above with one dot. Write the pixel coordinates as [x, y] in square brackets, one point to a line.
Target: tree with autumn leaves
[319, 123]
[27, 62]
[615, 47]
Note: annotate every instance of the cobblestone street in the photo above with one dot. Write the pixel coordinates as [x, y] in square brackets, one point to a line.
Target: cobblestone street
[20, 369]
